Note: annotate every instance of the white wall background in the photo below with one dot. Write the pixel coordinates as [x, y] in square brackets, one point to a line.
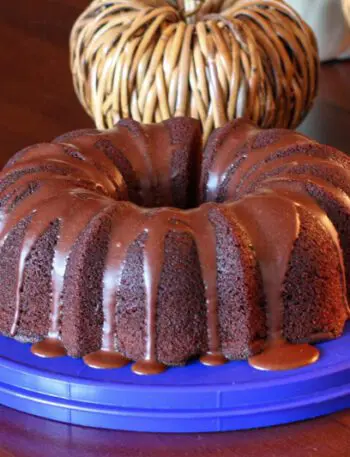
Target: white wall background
[328, 22]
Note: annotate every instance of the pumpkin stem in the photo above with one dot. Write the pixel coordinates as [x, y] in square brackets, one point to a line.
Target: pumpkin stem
[189, 9]
[193, 10]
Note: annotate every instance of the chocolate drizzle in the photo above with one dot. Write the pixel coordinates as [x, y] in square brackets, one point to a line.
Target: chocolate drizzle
[273, 224]
[68, 207]
[257, 160]
[152, 267]
[196, 222]
[78, 182]
[149, 152]
[299, 187]
[49, 348]
[156, 224]
[105, 359]
[280, 355]
[223, 162]
[65, 166]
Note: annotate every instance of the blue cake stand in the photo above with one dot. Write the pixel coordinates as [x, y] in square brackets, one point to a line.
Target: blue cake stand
[194, 398]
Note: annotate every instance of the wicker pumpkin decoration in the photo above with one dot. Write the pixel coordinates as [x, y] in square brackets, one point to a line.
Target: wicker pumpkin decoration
[214, 60]
[346, 8]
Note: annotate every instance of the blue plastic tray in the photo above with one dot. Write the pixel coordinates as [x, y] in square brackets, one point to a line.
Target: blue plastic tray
[194, 398]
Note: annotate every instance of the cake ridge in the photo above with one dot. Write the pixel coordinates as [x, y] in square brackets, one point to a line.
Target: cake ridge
[48, 213]
[297, 163]
[303, 183]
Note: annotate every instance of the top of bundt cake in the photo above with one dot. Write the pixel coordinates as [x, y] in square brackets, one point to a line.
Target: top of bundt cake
[134, 244]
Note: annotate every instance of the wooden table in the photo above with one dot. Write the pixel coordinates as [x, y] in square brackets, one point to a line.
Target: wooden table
[37, 103]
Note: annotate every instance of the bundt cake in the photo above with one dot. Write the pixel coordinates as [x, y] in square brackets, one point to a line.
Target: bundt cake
[132, 244]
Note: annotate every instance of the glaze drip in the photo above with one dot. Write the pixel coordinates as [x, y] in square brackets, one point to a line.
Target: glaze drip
[63, 165]
[105, 359]
[273, 223]
[222, 163]
[49, 348]
[92, 162]
[280, 356]
[148, 367]
[156, 224]
[145, 152]
[69, 206]
[257, 160]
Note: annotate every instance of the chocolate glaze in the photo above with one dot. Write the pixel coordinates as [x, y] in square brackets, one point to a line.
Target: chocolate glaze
[156, 224]
[79, 169]
[294, 164]
[49, 348]
[250, 161]
[273, 225]
[148, 367]
[222, 163]
[105, 359]
[78, 182]
[302, 187]
[303, 199]
[272, 221]
[213, 359]
[68, 153]
[74, 204]
[280, 355]
[146, 153]
[260, 157]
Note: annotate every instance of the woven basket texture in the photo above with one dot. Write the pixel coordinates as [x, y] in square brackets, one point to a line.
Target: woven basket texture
[214, 60]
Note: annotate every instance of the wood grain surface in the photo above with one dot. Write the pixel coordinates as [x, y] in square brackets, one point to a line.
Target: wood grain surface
[37, 103]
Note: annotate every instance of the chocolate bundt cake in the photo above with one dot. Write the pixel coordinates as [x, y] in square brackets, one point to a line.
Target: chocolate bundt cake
[133, 244]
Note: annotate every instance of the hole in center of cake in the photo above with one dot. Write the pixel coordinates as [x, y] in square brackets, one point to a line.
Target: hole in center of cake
[157, 200]
[179, 191]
